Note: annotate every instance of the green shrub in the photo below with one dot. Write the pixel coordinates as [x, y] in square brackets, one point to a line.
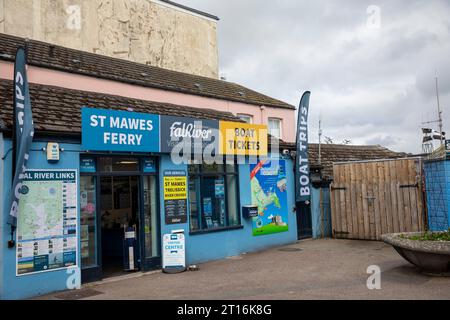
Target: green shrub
[430, 236]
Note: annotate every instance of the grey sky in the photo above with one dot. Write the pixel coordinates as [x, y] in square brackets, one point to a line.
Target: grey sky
[373, 86]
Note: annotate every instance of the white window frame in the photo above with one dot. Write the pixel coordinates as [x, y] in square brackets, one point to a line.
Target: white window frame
[245, 115]
[280, 121]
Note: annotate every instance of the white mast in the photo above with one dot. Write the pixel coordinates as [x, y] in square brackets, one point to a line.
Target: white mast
[439, 111]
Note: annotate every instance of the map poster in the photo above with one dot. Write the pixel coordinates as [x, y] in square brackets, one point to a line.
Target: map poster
[269, 193]
[47, 222]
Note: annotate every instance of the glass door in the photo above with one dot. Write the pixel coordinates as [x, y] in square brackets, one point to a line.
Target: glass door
[151, 235]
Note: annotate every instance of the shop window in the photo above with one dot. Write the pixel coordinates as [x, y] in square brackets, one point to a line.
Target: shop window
[213, 197]
[88, 218]
[275, 127]
[112, 164]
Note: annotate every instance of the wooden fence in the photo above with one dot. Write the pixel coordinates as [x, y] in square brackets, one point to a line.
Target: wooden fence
[372, 198]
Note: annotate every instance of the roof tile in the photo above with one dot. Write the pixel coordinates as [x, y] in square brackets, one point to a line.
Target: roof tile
[51, 56]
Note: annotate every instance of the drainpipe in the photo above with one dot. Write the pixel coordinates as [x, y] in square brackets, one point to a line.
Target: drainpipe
[262, 108]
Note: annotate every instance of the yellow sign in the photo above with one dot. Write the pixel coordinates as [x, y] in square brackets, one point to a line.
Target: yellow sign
[175, 188]
[243, 139]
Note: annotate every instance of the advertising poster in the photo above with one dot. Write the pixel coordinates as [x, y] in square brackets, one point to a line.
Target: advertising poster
[269, 193]
[47, 222]
[175, 197]
[174, 251]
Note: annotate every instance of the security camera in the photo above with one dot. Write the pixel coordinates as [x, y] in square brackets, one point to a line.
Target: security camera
[286, 152]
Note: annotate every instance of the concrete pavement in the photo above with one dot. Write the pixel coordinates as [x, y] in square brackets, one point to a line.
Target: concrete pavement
[320, 269]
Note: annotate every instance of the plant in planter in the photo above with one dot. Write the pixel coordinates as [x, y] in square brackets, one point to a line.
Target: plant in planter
[429, 251]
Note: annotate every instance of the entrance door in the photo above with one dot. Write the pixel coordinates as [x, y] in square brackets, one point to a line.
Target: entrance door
[119, 209]
[304, 221]
[115, 193]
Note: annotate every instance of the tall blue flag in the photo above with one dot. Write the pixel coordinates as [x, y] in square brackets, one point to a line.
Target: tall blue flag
[23, 131]
[302, 168]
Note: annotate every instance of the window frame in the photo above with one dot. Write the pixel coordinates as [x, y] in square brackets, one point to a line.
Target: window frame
[200, 174]
[280, 121]
[245, 115]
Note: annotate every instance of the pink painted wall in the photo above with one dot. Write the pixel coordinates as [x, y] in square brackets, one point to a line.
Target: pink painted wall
[91, 84]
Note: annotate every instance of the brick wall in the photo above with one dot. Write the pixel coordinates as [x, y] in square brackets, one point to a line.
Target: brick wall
[437, 176]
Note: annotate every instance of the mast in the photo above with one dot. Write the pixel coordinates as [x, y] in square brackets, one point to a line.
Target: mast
[320, 140]
[439, 111]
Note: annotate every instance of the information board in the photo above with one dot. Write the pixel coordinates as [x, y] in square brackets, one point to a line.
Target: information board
[47, 222]
[174, 251]
[175, 197]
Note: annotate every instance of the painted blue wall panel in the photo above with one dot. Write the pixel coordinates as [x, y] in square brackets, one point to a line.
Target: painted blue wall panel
[321, 222]
[41, 283]
[437, 177]
[219, 245]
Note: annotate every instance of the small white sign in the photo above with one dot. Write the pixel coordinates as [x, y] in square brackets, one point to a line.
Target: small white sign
[174, 251]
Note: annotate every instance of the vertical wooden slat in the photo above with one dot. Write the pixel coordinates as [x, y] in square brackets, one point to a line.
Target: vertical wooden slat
[370, 200]
[406, 197]
[364, 193]
[394, 197]
[388, 197]
[420, 197]
[381, 200]
[348, 207]
[359, 200]
[413, 196]
[342, 202]
[333, 209]
[376, 188]
[337, 201]
[401, 204]
[353, 205]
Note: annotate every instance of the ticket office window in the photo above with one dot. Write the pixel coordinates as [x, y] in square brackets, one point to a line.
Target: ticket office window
[214, 198]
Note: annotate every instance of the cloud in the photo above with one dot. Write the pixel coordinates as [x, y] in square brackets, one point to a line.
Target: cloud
[368, 85]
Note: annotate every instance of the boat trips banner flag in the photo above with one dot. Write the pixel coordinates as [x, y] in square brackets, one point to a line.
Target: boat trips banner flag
[23, 131]
[302, 167]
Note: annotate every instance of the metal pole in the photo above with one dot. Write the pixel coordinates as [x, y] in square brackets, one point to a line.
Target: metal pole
[320, 141]
[439, 110]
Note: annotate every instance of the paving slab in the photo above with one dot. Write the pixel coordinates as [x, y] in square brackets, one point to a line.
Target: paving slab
[319, 269]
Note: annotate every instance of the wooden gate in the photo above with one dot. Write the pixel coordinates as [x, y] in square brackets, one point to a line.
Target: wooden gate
[372, 198]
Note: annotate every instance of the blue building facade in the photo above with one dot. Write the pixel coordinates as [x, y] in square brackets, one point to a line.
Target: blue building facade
[212, 242]
[437, 175]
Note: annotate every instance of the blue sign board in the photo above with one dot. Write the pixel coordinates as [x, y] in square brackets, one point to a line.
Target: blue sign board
[149, 165]
[109, 130]
[87, 165]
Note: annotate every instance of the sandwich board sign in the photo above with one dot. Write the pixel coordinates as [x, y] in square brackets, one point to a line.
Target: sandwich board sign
[174, 253]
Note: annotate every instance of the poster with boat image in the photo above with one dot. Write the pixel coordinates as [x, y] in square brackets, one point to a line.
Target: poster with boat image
[269, 192]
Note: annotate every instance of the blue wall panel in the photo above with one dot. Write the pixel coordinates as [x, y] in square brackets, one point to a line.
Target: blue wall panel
[321, 221]
[41, 283]
[437, 177]
[219, 245]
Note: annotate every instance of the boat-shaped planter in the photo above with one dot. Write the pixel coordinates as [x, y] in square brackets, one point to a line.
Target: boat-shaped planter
[431, 257]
